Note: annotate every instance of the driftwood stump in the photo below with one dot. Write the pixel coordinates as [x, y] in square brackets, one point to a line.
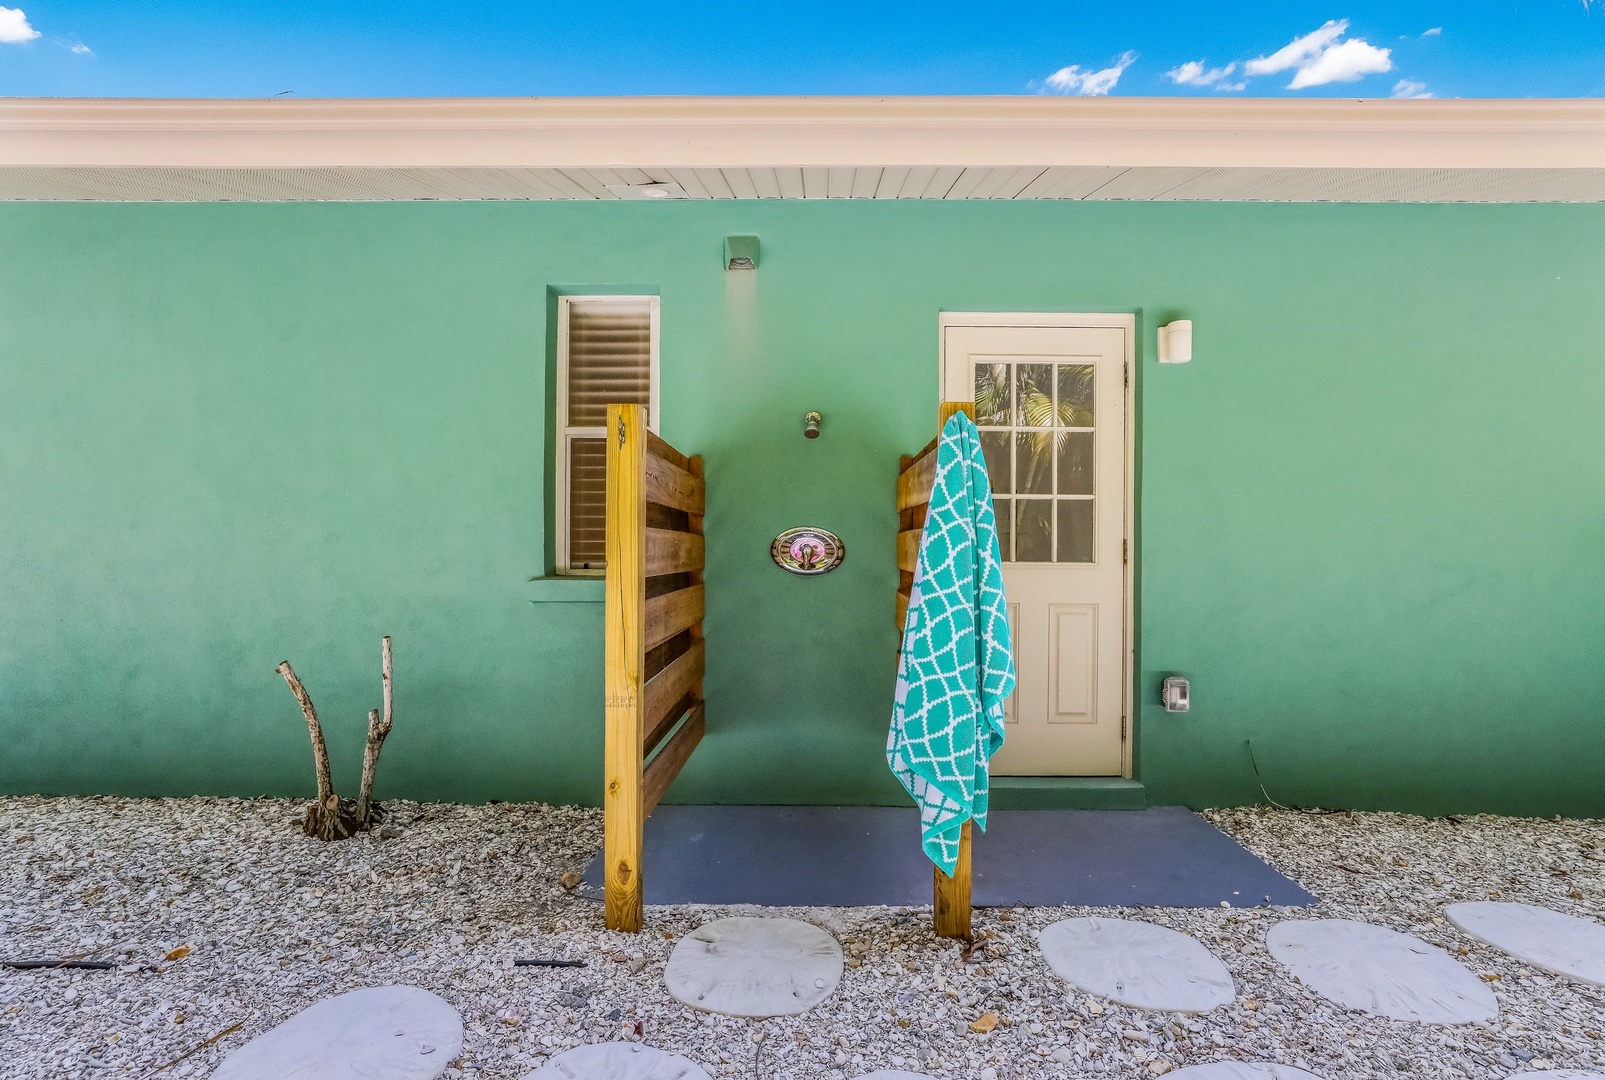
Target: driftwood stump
[331, 817]
[377, 730]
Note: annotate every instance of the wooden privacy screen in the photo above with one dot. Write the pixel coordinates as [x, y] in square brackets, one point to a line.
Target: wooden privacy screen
[915, 478]
[654, 649]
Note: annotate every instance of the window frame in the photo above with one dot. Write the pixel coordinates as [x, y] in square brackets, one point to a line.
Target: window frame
[564, 433]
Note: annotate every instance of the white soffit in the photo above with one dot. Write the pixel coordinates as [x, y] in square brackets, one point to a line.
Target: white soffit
[1138, 149]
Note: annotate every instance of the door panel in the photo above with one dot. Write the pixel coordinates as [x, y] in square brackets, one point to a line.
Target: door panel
[1051, 405]
[1074, 653]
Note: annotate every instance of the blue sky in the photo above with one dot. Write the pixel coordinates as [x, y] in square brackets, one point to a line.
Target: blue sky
[1521, 48]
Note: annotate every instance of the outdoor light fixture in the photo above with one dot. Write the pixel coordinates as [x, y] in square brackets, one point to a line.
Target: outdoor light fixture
[1175, 694]
[741, 253]
[654, 192]
[1176, 342]
[811, 422]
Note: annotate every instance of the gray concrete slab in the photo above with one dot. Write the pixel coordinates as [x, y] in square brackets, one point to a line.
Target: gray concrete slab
[852, 856]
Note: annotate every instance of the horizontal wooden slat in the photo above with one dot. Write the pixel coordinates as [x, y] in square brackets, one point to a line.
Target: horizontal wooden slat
[661, 770]
[672, 552]
[671, 613]
[665, 689]
[671, 717]
[902, 611]
[658, 448]
[908, 549]
[667, 484]
[914, 486]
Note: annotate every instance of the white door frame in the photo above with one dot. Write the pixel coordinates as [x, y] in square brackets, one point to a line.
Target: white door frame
[1128, 323]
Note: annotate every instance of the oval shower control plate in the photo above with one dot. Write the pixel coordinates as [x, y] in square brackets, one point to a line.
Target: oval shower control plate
[807, 551]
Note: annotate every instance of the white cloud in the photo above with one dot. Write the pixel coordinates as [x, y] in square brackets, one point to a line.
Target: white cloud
[1319, 58]
[1409, 88]
[1299, 51]
[1194, 73]
[80, 49]
[1434, 32]
[1072, 80]
[14, 28]
[1347, 61]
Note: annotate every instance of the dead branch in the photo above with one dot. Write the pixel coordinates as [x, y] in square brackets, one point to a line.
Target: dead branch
[196, 1049]
[329, 818]
[377, 730]
[320, 752]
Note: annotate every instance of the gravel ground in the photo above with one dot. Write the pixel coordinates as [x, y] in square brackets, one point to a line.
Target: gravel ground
[453, 894]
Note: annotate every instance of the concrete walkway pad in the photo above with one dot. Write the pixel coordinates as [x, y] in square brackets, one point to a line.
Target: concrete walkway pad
[1563, 944]
[1377, 970]
[618, 1061]
[1137, 964]
[754, 967]
[1242, 1070]
[394, 1032]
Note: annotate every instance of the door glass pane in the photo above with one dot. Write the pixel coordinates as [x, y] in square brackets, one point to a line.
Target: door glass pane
[587, 504]
[1034, 462]
[999, 465]
[1034, 530]
[1075, 463]
[1003, 510]
[1034, 395]
[1075, 395]
[1075, 530]
[992, 395]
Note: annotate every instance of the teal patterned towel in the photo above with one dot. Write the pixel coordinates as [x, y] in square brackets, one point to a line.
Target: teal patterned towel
[958, 661]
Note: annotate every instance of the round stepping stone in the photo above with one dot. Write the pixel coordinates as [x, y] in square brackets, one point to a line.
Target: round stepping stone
[397, 1032]
[754, 967]
[1545, 939]
[1377, 970]
[1137, 964]
[1242, 1070]
[618, 1061]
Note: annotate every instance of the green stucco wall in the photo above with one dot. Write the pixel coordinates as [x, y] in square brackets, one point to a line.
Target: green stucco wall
[1372, 510]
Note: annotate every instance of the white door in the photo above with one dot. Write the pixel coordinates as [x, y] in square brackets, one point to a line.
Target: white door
[1051, 405]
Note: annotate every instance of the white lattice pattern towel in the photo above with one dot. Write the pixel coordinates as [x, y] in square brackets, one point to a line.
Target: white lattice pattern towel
[958, 662]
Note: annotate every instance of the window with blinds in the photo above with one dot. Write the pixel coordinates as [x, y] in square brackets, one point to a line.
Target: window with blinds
[607, 355]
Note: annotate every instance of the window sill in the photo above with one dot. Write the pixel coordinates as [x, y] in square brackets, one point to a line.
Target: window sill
[566, 589]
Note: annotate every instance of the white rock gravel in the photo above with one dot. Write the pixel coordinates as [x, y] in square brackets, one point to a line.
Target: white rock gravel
[394, 1032]
[894, 1074]
[1137, 964]
[754, 967]
[1545, 939]
[1380, 971]
[276, 921]
[618, 1061]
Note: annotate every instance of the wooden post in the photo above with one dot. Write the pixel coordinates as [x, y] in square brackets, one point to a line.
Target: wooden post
[624, 618]
[945, 412]
[952, 905]
[952, 901]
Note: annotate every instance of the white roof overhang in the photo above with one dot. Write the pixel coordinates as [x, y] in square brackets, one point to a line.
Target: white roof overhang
[1274, 150]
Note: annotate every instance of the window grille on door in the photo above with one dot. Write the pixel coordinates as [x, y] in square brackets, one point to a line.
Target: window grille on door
[1037, 429]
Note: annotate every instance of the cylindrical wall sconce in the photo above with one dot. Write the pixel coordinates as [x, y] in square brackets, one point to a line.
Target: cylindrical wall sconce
[1176, 342]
